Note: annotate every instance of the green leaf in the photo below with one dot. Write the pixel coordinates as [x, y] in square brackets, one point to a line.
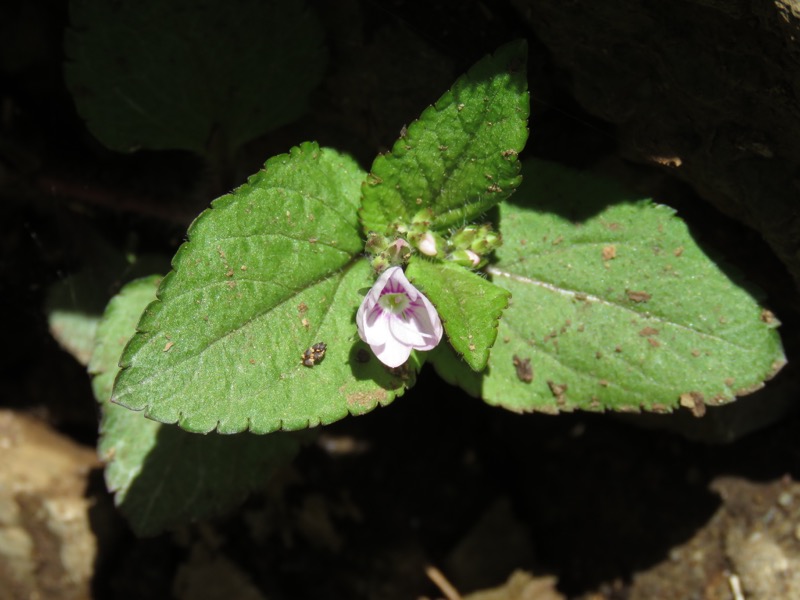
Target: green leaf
[460, 158]
[117, 325]
[468, 305]
[268, 271]
[163, 476]
[452, 368]
[615, 306]
[185, 74]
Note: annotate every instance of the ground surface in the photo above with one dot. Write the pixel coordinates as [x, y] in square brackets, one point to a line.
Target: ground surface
[576, 506]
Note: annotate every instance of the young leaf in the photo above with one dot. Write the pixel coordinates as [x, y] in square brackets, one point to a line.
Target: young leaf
[460, 158]
[269, 271]
[469, 306]
[615, 306]
[163, 476]
[174, 75]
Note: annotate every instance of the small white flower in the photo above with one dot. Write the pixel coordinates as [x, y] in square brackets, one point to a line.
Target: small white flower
[427, 245]
[395, 318]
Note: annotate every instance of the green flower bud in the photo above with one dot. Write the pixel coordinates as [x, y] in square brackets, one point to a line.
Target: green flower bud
[465, 258]
[422, 220]
[486, 243]
[463, 238]
[376, 243]
[398, 252]
[380, 263]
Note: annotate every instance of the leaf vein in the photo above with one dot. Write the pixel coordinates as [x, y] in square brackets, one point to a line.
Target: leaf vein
[283, 235]
[345, 217]
[162, 370]
[496, 272]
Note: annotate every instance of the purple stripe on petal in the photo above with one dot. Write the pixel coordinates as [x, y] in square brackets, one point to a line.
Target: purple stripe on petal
[393, 335]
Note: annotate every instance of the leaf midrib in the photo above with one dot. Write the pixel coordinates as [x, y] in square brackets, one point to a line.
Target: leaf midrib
[341, 271]
[496, 272]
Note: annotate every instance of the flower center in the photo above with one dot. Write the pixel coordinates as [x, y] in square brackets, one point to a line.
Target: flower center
[394, 303]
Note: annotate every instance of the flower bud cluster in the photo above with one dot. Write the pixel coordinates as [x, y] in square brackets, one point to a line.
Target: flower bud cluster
[387, 252]
[472, 244]
[468, 246]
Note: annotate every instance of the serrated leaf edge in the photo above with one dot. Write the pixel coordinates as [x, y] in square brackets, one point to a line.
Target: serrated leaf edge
[399, 145]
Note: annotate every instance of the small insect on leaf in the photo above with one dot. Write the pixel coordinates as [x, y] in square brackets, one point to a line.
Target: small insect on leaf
[314, 354]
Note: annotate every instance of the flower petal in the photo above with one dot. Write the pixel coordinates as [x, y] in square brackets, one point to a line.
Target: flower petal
[374, 329]
[388, 275]
[399, 280]
[392, 331]
[392, 353]
[406, 331]
[428, 322]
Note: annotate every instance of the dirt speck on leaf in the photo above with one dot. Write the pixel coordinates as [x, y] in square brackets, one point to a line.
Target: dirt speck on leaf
[695, 402]
[365, 400]
[648, 331]
[609, 252]
[558, 390]
[638, 296]
[768, 317]
[523, 368]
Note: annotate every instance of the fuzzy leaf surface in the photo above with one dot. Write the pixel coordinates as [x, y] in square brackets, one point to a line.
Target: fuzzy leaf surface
[267, 272]
[161, 475]
[468, 305]
[460, 157]
[616, 307]
[191, 74]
